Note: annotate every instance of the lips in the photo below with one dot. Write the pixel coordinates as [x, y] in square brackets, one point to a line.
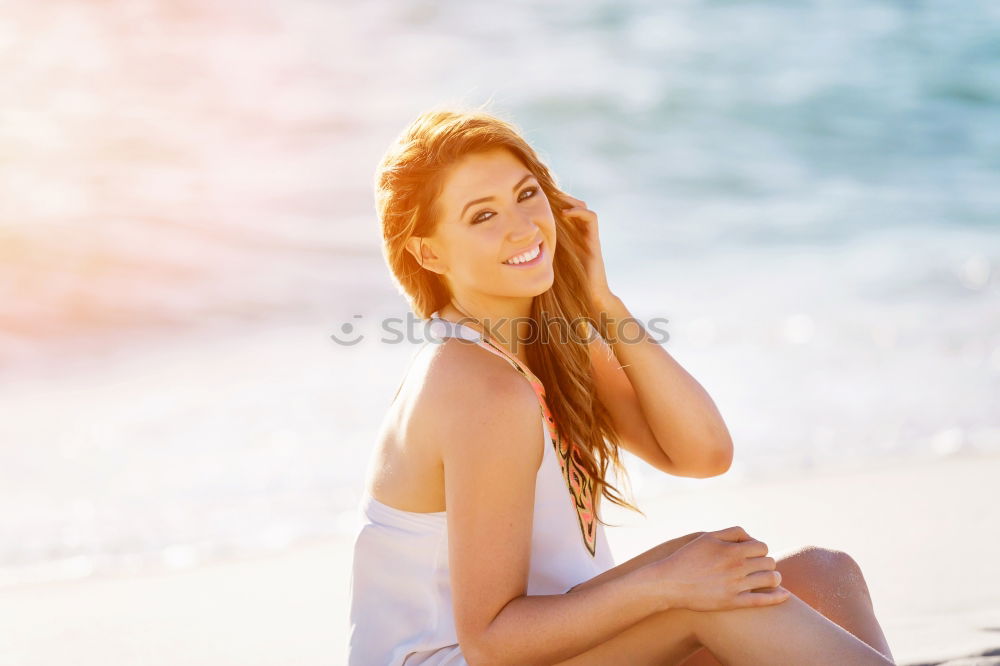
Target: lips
[530, 248]
[531, 263]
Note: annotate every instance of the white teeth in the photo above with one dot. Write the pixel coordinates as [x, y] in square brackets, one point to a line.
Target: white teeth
[527, 256]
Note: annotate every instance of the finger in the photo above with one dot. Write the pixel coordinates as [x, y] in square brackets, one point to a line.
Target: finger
[753, 548]
[734, 533]
[768, 597]
[759, 564]
[762, 580]
[581, 216]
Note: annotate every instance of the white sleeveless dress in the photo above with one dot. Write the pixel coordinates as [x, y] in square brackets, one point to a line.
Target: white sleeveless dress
[400, 587]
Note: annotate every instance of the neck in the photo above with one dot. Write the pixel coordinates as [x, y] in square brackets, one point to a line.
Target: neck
[507, 325]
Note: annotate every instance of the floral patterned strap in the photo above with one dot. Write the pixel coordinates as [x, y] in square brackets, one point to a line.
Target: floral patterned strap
[581, 484]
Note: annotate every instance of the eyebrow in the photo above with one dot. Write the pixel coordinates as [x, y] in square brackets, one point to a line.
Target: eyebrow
[513, 189]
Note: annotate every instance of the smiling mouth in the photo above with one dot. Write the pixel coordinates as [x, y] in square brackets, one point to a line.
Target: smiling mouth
[539, 251]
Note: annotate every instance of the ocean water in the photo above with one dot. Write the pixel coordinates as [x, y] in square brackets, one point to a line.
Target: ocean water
[808, 193]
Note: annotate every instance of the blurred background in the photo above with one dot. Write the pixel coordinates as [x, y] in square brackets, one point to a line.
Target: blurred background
[808, 192]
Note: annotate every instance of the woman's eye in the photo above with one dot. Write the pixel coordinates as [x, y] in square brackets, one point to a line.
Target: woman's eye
[479, 218]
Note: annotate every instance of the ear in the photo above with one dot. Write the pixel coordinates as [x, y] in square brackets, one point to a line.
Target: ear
[423, 251]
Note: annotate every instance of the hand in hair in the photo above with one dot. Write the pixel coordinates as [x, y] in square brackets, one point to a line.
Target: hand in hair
[597, 278]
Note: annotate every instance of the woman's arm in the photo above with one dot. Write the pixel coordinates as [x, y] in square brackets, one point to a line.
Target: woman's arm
[491, 435]
[662, 413]
[664, 550]
[551, 628]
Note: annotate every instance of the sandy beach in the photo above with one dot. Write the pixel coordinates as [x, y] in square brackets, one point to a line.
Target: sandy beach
[200, 333]
[924, 534]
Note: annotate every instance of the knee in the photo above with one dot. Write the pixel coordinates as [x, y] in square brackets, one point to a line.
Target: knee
[827, 575]
[834, 561]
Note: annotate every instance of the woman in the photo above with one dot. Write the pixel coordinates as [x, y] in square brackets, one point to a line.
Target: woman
[481, 540]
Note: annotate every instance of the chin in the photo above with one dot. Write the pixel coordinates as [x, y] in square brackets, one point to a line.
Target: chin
[540, 287]
[525, 289]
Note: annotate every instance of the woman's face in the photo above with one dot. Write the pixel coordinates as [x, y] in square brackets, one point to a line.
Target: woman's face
[492, 210]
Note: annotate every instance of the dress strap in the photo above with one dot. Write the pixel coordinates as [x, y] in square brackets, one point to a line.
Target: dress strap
[581, 485]
[469, 333]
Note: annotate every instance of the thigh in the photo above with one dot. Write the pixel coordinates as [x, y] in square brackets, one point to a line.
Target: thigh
[807, 572]
[669, 637]
[666, 637]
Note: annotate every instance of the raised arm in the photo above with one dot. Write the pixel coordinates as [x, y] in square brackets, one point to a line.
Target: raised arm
[491, 445]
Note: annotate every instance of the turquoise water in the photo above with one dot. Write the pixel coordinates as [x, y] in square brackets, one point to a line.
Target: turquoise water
[808, 192]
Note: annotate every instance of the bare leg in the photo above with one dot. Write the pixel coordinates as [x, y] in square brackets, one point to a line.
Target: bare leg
[787, 634]
[831, 582]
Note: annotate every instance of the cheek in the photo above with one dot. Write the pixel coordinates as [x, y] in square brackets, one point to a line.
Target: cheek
[553, 234]
[478, 260]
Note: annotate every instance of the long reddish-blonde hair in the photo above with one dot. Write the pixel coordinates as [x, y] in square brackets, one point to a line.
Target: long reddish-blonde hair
[408, 181]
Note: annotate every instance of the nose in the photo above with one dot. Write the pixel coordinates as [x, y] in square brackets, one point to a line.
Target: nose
[524, 229]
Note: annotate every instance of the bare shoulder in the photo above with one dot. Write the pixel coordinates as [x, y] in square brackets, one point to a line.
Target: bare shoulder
[466, 389]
